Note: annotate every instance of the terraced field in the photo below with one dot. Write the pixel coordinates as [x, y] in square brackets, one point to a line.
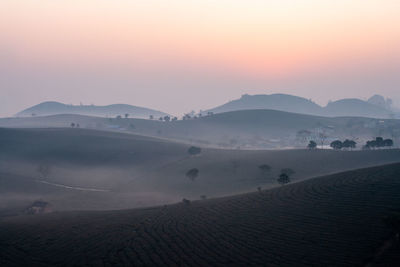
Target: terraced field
[334, 220]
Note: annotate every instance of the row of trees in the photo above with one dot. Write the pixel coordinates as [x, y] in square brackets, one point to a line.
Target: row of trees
[347, 144]
[187, 116]
[379, 142]
[165, 118]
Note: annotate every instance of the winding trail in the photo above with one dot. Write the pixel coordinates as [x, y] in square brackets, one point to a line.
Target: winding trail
[73, 187]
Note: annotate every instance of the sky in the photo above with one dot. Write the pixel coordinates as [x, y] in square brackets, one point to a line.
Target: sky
[183, 55]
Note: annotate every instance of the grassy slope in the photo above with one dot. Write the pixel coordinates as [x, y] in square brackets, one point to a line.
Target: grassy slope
[332, 220]
[140, 171]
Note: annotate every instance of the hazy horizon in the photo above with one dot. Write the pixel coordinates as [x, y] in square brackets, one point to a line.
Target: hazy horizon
[191, 55]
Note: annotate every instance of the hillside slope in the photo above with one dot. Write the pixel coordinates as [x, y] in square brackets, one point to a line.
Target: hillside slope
[334, 220]
[93, 170]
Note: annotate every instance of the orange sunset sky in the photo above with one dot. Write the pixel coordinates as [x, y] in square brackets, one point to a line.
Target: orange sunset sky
[179, 55]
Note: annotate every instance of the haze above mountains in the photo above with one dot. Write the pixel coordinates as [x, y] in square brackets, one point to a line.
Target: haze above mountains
[375, 107]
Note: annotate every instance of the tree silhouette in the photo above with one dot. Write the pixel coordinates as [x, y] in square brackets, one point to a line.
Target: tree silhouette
[337, 145]
[283, 179]
[312, 145]
[379, 142]
[288, 171]
[349, 144]
[388, 142]
[192, 174]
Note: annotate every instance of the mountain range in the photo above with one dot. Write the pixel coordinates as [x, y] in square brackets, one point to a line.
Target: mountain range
[375, 107]
[55, 108]
[350, 107]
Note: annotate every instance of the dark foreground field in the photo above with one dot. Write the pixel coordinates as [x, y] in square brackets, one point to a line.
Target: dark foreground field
[336, 220]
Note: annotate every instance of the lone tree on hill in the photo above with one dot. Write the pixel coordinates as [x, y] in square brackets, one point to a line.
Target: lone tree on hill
[192, 174]
[283, 179]
[288, 171]
[72, 125]
[337, 145]
[312, 145]
[194, 150]
[126, 115]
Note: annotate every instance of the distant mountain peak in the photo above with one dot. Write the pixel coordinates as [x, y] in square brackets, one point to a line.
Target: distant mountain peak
[380, 101]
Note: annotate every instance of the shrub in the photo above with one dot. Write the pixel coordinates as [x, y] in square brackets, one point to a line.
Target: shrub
[192, 174]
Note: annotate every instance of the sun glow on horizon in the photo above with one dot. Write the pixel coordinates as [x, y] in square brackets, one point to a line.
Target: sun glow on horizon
[256, 37]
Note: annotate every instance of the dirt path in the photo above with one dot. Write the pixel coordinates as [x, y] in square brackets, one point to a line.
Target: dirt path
[73, 187]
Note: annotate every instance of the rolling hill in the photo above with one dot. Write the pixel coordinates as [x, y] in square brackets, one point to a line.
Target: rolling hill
[335, 220]
[55, 108]
[357, 108]
[281, 102]
[81, 169]
[295, 104]
[245, 129]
